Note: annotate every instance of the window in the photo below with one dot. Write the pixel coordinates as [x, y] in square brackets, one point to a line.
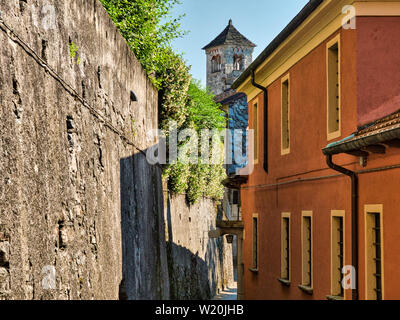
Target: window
[307, 250]
[216, 64]
[238, 63]
[255, 243]
[285, 134]
[255, 128]
[285, 248]
[337, 253]
[374, 250]
[235, 197]
[333, 75]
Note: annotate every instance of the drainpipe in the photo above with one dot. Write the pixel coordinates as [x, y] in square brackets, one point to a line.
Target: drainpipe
[354, 218]
[265, 90]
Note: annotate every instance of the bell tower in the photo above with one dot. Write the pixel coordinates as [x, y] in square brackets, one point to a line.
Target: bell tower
[228, 55]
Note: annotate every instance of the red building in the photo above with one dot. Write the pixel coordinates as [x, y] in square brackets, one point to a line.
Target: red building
[324, 100]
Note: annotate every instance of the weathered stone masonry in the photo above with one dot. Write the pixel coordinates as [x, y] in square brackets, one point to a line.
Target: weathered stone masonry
[198, 266]
[76, 194]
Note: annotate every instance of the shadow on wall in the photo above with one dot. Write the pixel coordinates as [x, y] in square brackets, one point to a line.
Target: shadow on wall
[188, 274]
[153, 267]
[187, 271]
[196, 264]
[144, 258]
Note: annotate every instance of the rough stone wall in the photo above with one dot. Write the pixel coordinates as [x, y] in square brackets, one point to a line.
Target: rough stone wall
[199, 267]
[77, 200]
[221, 81]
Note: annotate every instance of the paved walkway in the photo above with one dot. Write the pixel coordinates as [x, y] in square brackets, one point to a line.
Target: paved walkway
[228, 294]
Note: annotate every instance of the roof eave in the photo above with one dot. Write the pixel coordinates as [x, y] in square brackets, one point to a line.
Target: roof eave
[364, 142]
[310, 7]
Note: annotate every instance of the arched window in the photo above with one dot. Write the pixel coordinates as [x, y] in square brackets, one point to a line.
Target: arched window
[216, 63]
[238, 63]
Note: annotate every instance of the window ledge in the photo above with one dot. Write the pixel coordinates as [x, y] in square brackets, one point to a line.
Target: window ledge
[334, 135]
[307, 289]
[254, 270]
[285, 282]
[334, 298]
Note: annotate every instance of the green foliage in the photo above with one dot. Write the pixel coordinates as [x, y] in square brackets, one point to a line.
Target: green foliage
[175, 84]
[149, 29]
[203, 111]
[134, 127]
[198, 180]
[73, 50]
[141, 22]
[178, 177]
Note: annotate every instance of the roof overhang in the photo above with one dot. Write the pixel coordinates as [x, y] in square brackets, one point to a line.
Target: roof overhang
[316, 22]
[290, 28]
[229, 98]
[373, 139]
[235, 182]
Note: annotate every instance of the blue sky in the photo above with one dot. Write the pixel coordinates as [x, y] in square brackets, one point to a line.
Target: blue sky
[259, 20]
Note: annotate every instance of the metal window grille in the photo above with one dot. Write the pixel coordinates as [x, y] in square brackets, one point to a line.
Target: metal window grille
[308, 235]
[378, 257]
[341, 255]
[287, 246]
[255, 243]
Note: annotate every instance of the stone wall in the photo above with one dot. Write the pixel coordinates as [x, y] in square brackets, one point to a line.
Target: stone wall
[221, 81]
[81, 210]
[79, 204]
[199, 267]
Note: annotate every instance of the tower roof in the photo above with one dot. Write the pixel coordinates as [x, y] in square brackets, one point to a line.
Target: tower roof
[230, 36]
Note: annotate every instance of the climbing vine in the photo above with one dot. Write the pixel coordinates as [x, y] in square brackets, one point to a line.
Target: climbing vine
[149, 28]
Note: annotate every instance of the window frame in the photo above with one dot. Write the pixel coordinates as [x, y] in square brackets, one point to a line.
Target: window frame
[238, 60]
[216, 63]
[337, 214]
[288, 279]
[304, 285]
[256, 140]
[370, 210]
[255, 255]
[285, 151]
[331, 135]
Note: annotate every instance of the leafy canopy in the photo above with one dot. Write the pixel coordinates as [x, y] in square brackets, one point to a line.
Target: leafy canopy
[149, 28]
[142, 23]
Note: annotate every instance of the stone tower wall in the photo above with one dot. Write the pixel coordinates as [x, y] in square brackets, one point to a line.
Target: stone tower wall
[221, 81]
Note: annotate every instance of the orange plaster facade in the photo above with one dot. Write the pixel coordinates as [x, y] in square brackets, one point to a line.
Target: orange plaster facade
[370, 85]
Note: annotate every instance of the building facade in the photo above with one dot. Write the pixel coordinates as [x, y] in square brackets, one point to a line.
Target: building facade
[228, 55]
[321, 207]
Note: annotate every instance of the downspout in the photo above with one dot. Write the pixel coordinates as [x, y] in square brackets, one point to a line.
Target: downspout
[354, 218]
[265, 90]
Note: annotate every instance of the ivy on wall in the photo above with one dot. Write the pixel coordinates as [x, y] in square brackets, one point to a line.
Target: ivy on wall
[149, 28]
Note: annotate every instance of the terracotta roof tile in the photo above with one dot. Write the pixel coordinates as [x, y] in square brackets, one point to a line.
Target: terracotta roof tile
[387, 123]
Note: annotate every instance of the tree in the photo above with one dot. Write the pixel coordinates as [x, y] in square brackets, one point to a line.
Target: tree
[148, 28]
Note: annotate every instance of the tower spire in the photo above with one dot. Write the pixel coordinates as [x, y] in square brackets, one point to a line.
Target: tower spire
[230, 22]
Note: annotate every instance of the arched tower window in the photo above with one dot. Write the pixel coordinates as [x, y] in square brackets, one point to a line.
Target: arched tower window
[238, 62]
[216, 64]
